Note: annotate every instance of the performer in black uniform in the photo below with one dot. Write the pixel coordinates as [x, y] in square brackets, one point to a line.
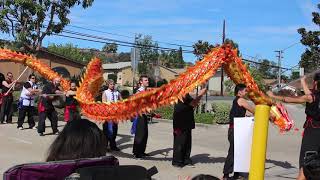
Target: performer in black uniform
[183, 123]
[310, 140]
[7, 99]
[71, 111]
[238, 109]
[45, 107]
[141, 134]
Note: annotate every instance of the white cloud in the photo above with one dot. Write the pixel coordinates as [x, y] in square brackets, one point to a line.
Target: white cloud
[307, 7]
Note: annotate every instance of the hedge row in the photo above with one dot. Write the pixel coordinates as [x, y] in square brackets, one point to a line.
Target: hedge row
[219, 114]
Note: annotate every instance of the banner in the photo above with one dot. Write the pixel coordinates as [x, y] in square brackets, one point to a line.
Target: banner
[243, 132]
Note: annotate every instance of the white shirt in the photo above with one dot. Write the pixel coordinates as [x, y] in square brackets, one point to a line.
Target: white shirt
[27, 100]
[112, 96]
[141, 89]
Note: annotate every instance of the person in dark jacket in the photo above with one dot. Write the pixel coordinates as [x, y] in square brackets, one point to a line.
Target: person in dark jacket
[183, 123]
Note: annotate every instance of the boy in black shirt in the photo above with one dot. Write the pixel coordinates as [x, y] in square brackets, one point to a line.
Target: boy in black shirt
[183, 123]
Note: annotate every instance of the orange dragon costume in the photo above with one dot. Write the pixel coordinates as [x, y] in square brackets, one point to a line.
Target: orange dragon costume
[165, 95]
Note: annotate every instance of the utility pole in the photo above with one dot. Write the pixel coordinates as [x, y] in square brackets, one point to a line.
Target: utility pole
[223, 40]
[134, 63]
[279, 56]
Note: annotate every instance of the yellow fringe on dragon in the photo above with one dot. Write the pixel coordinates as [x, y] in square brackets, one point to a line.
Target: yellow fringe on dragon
[163, 96]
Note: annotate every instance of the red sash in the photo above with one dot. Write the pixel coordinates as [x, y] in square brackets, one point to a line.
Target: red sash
[41, 107]
[67, 112]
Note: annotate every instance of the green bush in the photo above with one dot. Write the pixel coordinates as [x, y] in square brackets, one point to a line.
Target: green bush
[221, 112]
[206, 118]
[165, 112]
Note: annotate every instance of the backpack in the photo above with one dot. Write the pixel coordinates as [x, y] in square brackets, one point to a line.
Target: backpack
[132, 172]
[55, 170]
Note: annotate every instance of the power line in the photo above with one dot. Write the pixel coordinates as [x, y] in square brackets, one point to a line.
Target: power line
[121, 42]
[116, 34]
[290, 46]
[129, 44]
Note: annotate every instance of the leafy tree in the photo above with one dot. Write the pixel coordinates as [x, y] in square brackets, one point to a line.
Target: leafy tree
[295, 75]
[110, 48]
[82, 55]
[29, 21]
[123, 57]
[201, 48]
[267, 70]
[310, 59]
[148, 53]
[72, 52]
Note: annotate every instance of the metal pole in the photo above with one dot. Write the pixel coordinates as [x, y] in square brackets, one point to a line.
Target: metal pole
[134, 64]
[221, 70]
[279, 65]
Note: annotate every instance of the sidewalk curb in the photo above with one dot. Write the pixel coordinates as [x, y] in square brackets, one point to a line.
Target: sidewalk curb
[200, 125]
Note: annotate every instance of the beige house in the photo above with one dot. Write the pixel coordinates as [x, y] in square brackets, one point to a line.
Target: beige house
[124, 72]
[124, 75]
[52, 59]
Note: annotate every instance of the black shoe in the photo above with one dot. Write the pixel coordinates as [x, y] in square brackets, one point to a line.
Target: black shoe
[41, 134]
[56, 132]
[177, 165]
[115, 149]
[188, 162]
[226, 177]
[137, 156]
[145, 154]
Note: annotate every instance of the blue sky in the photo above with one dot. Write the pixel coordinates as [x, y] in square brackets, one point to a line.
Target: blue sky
[259, 27]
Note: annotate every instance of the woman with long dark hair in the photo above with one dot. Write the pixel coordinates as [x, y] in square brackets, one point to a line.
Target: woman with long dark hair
[310, 141]
[80, 138]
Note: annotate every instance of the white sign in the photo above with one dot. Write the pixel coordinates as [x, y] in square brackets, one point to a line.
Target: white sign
[301, 72]
[243, 132]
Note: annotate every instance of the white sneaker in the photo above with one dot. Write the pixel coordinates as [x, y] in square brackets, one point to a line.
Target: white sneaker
[20, 128]
[33, 127]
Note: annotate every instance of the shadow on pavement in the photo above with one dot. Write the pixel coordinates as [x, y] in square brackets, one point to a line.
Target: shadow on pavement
[282, 164]
[205, 158]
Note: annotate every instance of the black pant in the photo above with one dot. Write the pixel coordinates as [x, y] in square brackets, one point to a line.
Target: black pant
[182, 142]
[310, 142]
[29, 110]
[228, 165]
[141, 136]
[111, 137]
[52, 116]
[6, 109]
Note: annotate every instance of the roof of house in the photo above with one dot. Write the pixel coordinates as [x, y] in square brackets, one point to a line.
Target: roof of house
[61, 56]
[118, 65]
[296, 83]
[270, 81]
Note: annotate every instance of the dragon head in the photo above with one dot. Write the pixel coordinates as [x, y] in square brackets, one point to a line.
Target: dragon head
[280, 117]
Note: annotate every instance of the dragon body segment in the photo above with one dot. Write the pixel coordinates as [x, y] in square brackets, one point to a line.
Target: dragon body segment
[167, 94]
